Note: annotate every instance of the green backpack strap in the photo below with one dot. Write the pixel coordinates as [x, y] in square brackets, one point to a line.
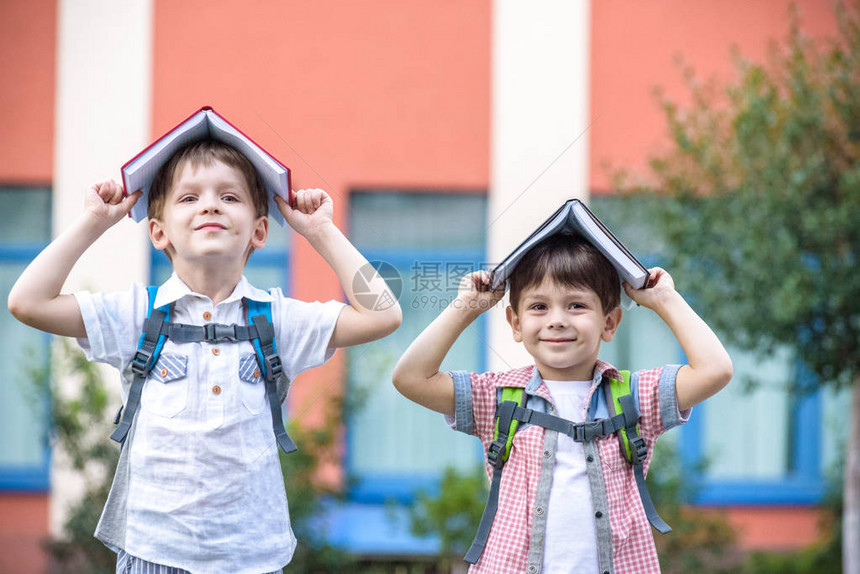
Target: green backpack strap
[616, 389]
[497, 454]
[516, 395]
[619, 400]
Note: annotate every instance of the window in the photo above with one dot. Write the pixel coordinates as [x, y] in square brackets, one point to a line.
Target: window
[25, 229]
[393, 445]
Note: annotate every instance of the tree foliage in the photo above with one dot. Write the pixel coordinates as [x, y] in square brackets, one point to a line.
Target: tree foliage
[760, 199]
[454, 513]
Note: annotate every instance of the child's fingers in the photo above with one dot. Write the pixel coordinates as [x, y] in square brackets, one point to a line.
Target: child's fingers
[656, 273]
[304, 201]
[128, 202]
[116, 193]
[284, 206]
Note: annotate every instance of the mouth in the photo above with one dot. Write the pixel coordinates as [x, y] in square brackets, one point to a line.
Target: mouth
[210, 226]
[558, 340]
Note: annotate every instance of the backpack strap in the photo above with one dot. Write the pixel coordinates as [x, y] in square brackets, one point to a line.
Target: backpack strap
[148, 349]
[260, 315]
[497, 454]
[619, 401]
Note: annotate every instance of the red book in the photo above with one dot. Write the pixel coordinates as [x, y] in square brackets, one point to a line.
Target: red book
[206, 123]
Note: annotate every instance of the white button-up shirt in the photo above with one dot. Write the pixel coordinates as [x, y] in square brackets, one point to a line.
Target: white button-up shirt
[199, 485]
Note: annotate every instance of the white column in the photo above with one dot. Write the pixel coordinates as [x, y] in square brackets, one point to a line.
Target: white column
[104, 53]
[540, 123]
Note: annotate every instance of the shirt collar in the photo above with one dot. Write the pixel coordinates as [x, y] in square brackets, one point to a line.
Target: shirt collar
[175, 289]
[601, 368]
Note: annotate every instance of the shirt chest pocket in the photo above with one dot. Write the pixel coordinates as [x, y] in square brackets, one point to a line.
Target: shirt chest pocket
[252, 385]
[166, 390]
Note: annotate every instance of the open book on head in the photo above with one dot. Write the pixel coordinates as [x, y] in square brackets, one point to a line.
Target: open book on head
[139, 172]
[573, 217]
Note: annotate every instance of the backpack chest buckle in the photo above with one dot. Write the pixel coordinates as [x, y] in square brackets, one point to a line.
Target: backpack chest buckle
[218, 333]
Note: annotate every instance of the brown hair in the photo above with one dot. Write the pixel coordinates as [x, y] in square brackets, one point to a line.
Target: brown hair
[205, 153]
[569, 260]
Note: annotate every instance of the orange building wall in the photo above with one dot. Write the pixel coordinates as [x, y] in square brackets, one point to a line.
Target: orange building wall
[23, 527]
[27, 69]
[28, 32]
[348, 94]
[635, 48]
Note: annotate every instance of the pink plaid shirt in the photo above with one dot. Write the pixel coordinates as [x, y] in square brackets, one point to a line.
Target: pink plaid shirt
[624, 540]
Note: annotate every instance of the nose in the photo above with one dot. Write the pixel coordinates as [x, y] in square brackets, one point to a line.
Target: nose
[557, 319]
[209, 203]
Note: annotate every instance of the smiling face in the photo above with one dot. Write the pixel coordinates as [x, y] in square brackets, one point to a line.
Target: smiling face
[562, 327]
[208, 217]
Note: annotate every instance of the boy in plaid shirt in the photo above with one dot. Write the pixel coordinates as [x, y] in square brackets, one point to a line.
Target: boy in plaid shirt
[565, 506]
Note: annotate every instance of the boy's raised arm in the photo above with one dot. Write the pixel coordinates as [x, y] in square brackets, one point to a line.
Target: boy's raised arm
[35, 298]
[416, 374]
[312, 217]
[710, 367]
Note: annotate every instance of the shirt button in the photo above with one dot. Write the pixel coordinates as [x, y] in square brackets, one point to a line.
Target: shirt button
[589, 458]
[207, 315]
[256, 373]
[598, 514]
[539, 510]
[532, 569]
[216, 351]
[216, 390]
[546, 454]
[163, 373]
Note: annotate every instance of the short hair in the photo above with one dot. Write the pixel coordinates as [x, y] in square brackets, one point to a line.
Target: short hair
[205, 152]
[569, 260]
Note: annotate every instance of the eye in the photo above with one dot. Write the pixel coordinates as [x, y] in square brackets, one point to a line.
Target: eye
[538, 307]
[187, 198]
[230, 198]
[576, 305]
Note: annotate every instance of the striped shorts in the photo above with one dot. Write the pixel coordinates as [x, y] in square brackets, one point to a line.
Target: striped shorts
[128, 564]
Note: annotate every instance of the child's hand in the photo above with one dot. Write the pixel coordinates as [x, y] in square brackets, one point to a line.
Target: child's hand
[107, 202]
[311, 209]
[660, 286]
[474, 294]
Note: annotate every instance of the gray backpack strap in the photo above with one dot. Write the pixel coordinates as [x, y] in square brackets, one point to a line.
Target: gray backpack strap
[496, 457]
[151, 341]
[270, 365]
[633, 446]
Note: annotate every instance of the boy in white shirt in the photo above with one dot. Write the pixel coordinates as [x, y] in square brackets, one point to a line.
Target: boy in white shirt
[198, 487]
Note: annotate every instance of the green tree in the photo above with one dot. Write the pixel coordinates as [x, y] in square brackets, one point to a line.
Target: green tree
[453, 514]
[758, 199]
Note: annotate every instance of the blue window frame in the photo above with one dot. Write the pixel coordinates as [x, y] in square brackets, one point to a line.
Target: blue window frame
[25, 455]
[395, 447]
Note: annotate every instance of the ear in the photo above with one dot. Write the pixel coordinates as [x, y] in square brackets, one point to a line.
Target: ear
[514, 322]
[261, 232]
[157, 235]
[612, 320]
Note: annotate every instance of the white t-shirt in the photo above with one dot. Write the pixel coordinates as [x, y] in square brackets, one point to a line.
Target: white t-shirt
[571, 541]
[199, 485]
